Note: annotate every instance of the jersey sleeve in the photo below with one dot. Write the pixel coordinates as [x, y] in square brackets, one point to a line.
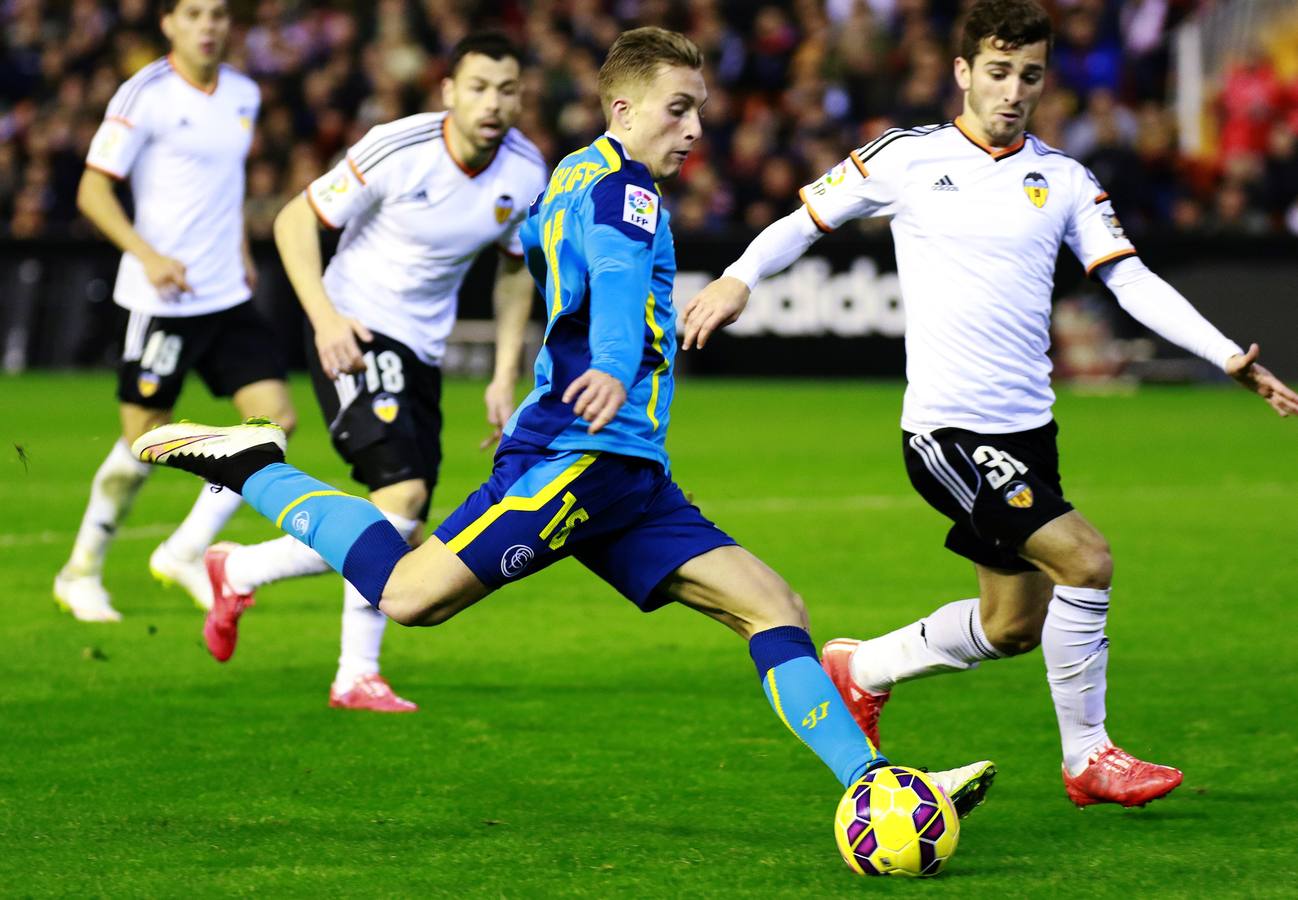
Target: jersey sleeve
[123, 133]
[1094, 233]
[350, 188]
[866, 184]
[625, 212]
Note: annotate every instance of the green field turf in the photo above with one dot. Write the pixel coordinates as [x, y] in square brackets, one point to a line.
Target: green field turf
[570, 746]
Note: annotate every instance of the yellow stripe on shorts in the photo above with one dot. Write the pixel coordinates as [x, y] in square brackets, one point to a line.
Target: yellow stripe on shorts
[521, 504]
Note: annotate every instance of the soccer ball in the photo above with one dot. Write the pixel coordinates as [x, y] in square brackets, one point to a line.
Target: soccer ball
[895, 821]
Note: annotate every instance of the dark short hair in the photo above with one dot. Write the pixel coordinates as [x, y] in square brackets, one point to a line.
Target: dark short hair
[167, 7]
[491, 44]
[1013, 24]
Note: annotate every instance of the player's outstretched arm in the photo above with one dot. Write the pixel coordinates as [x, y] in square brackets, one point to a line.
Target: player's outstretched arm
[1252, 376]
[1163, 310]
[298, 240]
[513, 303]
[723, 301]
[98, 203]
[714, 307]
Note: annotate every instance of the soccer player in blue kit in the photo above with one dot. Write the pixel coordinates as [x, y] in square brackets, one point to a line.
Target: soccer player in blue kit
[581, 470]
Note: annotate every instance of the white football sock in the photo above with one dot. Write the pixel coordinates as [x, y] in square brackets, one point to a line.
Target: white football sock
[113, 490]
[949, 639]
[1077, 656]
[213, 508]
[363, 625]
[249, 567]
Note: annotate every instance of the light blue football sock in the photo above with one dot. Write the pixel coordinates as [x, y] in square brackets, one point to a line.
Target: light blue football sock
[808, 703]
[350, 533]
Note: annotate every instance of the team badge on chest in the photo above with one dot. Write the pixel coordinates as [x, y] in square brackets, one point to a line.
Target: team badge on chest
[504, 206]
[1037, 188]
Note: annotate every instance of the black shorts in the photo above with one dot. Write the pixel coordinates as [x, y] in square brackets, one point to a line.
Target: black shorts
[386, 421]
[997, 489]
[230, 349]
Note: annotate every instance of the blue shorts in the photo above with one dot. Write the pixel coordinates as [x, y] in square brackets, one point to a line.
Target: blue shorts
[622, 517]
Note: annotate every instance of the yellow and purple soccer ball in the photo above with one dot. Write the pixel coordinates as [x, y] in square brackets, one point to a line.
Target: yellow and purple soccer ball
[896, 821]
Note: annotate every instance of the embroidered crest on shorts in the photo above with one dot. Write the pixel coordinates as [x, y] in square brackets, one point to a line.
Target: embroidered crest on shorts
[1018, 495]
[147, 384]
[386, 407]
[515, 560]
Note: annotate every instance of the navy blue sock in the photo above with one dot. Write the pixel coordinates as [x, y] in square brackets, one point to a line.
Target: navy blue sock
[808, 703]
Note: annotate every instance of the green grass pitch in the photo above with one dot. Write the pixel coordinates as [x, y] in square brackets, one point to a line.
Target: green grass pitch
[570, 746]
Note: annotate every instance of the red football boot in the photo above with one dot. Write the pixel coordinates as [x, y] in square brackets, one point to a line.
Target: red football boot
[1115, 776]
[370, 692]
[221, 628]
[836, 657]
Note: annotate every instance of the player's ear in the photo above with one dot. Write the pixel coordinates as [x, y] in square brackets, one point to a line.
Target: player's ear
[448, 92]
[621, 113]
[963, 73]
[167, 26]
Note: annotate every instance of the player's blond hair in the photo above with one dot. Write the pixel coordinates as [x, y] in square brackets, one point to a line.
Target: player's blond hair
[635, 57]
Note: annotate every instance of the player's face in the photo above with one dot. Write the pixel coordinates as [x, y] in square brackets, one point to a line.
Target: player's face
[1002, 87]
[485, 97]
[198, 31]
[662, 124]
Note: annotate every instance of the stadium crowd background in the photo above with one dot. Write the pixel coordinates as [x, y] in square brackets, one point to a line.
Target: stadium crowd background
[793, 87]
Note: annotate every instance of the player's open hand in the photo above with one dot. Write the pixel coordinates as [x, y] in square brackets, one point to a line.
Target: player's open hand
[598, 397]
[335, 341]
[716, 306]
[500, 406]
[1245, 369]
[167, 276]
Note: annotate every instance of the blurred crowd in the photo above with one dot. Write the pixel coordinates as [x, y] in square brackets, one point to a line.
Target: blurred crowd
[794, 85]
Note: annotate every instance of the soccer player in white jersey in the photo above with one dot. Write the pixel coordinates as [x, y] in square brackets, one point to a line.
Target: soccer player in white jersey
[979, 210]
[417, 199]
[179, 130]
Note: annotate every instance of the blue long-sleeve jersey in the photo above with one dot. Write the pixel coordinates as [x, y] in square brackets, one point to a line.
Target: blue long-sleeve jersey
[600, 248]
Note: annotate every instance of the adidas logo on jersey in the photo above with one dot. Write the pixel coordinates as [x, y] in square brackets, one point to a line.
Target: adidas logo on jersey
[945, 184]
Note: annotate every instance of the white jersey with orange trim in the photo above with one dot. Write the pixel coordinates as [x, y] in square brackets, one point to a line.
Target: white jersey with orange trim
[977, 232]
[183, 148]
[414, 219]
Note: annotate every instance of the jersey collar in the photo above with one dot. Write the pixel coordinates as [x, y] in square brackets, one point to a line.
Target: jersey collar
[615, 157]
[996, 153]
[450, 151]
[194, 84]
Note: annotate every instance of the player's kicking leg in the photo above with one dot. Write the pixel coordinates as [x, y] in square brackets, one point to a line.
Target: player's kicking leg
[420, 586]
[736, 588]
[181, 558]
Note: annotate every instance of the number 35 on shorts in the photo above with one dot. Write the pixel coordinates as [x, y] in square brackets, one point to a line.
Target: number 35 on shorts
[1001, 466]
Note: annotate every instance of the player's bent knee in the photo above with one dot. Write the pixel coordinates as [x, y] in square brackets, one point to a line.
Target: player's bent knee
[783, 606]
[1092, 565]
[413, 608]
[1014, 637]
